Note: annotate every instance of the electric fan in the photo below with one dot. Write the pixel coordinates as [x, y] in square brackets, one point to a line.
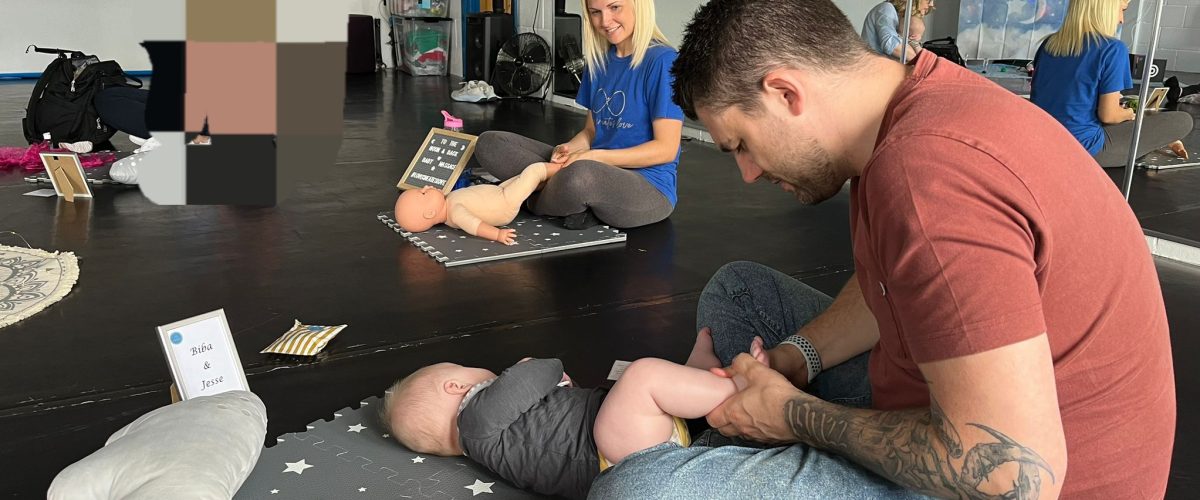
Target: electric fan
[523, 65]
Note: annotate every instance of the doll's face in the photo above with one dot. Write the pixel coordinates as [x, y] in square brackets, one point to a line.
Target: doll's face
[420, 209]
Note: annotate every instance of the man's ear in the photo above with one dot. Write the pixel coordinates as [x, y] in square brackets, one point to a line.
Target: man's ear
[784, 86]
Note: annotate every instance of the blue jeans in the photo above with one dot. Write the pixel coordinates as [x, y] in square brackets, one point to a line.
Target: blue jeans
[741, 301]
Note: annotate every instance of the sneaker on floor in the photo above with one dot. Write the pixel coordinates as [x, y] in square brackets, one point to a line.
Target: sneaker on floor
[581, 220]
[488, 92]
[125, 170]
[471, 92]
[137, 141]
[147, 145]
[77, 147]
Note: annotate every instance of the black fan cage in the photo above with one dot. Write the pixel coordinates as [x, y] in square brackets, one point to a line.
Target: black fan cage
[523, 65]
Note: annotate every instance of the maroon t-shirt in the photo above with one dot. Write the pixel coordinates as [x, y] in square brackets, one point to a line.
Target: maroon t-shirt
[980, 222]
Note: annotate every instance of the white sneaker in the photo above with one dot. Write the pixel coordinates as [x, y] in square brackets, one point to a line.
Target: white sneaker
[471, 92]
[147, 145]
[77, 147]
[137, 141]
[488, 92]
[125, 171]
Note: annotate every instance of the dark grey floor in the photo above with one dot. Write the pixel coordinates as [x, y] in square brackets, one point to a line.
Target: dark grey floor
[78, 371]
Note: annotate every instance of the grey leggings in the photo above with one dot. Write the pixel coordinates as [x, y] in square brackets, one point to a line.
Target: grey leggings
[1158, 130]
[618, 197]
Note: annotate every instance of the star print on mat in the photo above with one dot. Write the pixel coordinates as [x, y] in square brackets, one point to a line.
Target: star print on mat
[419, 460]
[356, 428]
[479, 487]
[297, 467]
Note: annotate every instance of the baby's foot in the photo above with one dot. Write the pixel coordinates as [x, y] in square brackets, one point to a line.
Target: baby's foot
[703, 356]
[1178, 149]
[759, 352]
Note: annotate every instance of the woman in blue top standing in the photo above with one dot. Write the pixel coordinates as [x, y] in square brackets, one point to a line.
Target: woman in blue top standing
[621, 168]
[1079, 73]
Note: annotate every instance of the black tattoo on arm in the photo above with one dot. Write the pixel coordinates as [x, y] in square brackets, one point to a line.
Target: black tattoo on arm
[915, 449]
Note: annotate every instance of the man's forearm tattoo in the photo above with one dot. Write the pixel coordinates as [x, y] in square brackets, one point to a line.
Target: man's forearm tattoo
[915, 449]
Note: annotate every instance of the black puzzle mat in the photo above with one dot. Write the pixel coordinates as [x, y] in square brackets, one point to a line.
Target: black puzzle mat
[352, 456]
[1162, 160]
[535, 235]
[96, 176]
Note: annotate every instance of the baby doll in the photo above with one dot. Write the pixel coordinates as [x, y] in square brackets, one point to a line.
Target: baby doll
[478, 210]
[531, 427]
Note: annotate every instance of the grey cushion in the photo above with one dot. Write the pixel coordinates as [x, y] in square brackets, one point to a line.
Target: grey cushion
[200, 448]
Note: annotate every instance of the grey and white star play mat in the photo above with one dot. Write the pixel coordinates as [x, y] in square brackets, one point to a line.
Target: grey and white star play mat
[32, 279]
[351, 456]
[535, 235]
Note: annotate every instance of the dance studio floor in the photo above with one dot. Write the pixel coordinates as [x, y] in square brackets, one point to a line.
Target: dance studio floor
[88, 365]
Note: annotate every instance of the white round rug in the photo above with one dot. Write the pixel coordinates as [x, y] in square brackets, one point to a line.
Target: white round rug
[32, 279]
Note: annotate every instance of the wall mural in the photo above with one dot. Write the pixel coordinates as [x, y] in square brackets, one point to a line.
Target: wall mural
[1006, 29]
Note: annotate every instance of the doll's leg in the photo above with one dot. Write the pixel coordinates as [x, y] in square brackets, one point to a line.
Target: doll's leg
[638, 412]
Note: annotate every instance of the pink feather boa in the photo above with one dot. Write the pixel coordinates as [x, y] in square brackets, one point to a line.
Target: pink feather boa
[29, 159]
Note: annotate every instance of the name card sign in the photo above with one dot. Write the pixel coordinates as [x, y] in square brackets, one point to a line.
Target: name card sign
[202, 356]
[440, 161]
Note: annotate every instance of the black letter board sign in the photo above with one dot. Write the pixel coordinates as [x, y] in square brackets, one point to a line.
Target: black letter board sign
[440, 161]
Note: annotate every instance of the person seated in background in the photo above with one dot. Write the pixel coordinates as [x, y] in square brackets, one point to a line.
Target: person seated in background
[883, 27]
[1079, 73]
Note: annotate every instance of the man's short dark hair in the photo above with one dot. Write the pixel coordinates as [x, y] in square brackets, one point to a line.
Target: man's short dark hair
[730, 45]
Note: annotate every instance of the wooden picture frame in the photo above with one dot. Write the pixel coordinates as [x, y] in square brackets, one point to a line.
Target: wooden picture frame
[66, 174]
[425, 145]
[195, 345]
[1157, 99]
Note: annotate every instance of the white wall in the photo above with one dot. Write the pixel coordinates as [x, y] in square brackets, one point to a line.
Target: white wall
[673, 15]
[1179, 37]
[110, 30]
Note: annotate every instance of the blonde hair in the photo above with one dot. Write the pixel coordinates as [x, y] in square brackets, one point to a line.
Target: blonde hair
[1085, 21]
[902, 5]
[414, 395]
[645, 31]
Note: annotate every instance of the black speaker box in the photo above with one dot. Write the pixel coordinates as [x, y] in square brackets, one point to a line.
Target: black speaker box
[568, 49]
[486, 33]
[362, 47]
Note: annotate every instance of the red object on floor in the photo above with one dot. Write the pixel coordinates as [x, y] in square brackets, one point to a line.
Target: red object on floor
[29, 159]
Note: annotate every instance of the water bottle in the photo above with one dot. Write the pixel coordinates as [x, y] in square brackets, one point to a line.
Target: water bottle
[456, 125]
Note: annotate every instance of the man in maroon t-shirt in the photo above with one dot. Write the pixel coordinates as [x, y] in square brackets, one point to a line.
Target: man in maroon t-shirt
[1005, 307]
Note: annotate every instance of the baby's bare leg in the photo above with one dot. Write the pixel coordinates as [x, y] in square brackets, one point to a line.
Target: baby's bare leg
[703, 356]
[637, 413]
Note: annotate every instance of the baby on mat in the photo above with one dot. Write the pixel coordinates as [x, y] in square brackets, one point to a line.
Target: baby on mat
[532, 427]
[478, 210]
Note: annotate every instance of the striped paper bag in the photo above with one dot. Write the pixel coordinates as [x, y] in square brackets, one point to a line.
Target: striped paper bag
[304, 340]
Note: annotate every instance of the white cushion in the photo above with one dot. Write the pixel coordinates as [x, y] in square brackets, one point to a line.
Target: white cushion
[201, 448]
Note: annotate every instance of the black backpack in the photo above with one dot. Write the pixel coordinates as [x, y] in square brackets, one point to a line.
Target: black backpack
[61, 103]
[947, 48]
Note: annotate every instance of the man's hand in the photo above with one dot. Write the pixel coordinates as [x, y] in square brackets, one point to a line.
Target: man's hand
[756, 411]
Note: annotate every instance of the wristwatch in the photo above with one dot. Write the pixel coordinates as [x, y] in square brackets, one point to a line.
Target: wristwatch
[811, 358]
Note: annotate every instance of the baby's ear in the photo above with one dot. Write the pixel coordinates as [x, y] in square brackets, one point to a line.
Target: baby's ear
[429, 214]
[456, 387]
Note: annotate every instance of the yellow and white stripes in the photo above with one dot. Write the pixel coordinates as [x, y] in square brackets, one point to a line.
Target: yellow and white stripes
[304, 340]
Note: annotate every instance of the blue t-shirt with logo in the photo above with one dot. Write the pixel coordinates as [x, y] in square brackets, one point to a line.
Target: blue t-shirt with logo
[1069, 87]
[625, 101]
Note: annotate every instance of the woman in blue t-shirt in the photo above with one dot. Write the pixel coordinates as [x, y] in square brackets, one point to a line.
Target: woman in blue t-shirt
[620, 169]
[1079, 73]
